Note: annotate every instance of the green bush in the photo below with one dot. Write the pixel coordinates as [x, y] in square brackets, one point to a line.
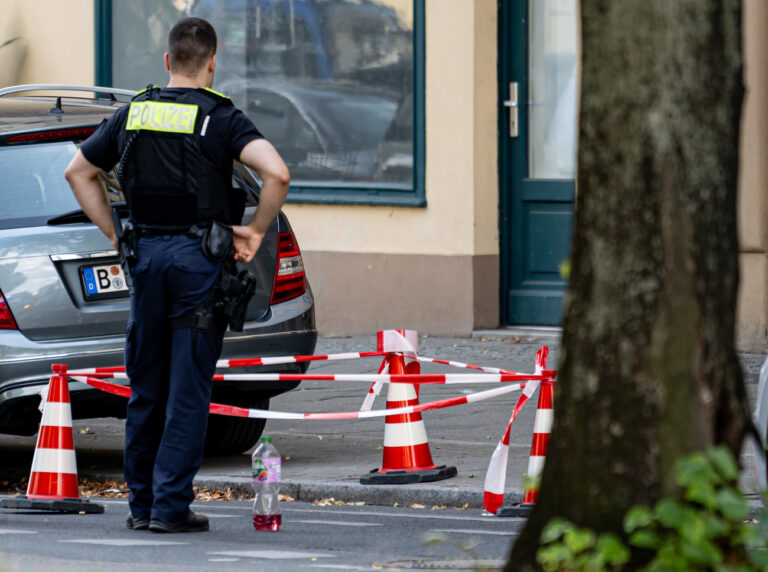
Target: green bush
[706, 528]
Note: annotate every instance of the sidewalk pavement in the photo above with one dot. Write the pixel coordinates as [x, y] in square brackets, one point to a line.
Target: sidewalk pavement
[325, 459]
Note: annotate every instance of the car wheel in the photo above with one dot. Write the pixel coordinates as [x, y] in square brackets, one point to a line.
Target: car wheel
[233, 435]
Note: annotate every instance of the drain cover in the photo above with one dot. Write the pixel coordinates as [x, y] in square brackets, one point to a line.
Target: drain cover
[473, 565]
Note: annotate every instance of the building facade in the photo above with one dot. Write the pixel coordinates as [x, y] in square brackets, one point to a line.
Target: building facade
[431, 142]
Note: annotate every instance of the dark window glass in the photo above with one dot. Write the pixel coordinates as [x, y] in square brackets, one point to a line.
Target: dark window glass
[329, 82]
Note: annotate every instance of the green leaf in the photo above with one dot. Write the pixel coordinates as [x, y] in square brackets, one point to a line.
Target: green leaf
[714, 526]
[732, 504]
[645, 539]
[702, 554]
[750, 537]
[670, 513]
[723, 461]
[693, 527]
[759, 558]
[551, 557]
[637, 517]
[668, 559]
[555, 529]
[695, 468]
[703, 493]
[612, 549]
[579, 539]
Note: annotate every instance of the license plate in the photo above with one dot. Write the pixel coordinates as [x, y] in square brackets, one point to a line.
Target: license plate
[103, 281]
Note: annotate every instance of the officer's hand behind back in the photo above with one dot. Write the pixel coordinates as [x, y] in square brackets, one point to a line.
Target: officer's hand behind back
[246, 242]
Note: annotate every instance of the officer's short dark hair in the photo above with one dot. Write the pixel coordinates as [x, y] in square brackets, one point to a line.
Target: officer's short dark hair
[191, 42]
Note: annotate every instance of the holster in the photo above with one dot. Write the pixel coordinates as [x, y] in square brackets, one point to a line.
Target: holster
[216, 241]
[227, 304]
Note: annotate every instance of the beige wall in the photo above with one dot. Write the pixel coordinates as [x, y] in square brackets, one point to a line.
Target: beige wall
[59, 38]
[752, 317]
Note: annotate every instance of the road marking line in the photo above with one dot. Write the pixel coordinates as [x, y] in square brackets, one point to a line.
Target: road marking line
[209, 515]
[338, 566]
[272, 554]
[337, 522]
[389, 514]
[470, 531]
[124, 542]
[12, 531]
[223, 560]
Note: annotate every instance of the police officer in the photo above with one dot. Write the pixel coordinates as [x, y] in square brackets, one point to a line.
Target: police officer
[174, 147]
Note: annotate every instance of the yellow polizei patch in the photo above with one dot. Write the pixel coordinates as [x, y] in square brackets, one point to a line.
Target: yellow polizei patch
[162, 116]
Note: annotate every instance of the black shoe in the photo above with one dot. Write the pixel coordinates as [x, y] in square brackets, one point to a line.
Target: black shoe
[136, 523]
[193, 523]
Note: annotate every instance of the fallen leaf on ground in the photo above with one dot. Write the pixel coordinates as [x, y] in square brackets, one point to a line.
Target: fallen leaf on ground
[417, 505]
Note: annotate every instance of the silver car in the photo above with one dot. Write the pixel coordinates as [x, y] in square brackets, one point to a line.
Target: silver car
[63, 297]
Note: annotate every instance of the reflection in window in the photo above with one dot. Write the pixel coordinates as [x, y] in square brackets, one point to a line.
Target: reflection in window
[552, 89]
[328, 82]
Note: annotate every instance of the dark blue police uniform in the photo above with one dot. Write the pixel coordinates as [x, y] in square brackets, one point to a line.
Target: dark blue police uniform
[175, 147]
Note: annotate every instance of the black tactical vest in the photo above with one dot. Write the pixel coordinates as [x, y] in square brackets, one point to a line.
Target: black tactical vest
[166, 177]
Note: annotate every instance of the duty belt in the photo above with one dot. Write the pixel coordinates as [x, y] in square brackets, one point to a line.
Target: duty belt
[193, 231]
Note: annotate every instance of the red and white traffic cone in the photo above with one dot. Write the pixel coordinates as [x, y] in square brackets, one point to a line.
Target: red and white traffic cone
[53, 479]
[407, 458]
[542, 428]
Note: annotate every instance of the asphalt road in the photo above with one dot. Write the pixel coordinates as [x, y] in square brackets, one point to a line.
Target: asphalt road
[312, 537]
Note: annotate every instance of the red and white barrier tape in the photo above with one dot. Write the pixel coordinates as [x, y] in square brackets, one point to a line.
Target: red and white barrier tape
[375, 389]
[226, 363]
[412, 378]
[397, 342]
[495, 478]
[219, 409]
[463, 365]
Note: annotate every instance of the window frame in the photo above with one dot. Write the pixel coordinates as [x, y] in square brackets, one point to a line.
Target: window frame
[342, 193]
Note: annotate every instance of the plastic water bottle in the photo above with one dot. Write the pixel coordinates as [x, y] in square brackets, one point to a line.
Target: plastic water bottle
[266, 466]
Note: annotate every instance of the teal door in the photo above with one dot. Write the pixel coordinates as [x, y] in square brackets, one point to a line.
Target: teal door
[538, 87]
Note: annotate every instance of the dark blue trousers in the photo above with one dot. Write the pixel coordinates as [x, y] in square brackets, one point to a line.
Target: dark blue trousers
[171, 374]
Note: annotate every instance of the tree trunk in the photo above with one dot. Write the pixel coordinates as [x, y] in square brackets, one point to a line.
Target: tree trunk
[648, 371]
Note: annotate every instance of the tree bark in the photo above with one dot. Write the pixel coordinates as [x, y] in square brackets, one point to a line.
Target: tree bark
[648, 370]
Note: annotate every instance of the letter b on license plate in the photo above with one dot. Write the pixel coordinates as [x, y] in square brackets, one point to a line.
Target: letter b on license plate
[103, 281]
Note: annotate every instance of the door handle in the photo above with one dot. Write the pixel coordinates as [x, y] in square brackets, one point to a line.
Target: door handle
[511, 103]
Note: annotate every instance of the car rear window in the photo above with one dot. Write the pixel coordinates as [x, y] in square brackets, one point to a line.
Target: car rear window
[33, 188]
[32, 183]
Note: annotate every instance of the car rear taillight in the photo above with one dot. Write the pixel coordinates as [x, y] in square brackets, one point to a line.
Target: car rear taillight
[290, 281]
[52, 135]
[6, 318]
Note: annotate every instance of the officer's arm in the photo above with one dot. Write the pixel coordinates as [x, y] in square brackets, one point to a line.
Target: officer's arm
[263, 158]
[83, 177]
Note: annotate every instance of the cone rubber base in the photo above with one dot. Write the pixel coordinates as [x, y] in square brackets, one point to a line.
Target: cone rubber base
[51, 505]
[406, 477]
[516, 510]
